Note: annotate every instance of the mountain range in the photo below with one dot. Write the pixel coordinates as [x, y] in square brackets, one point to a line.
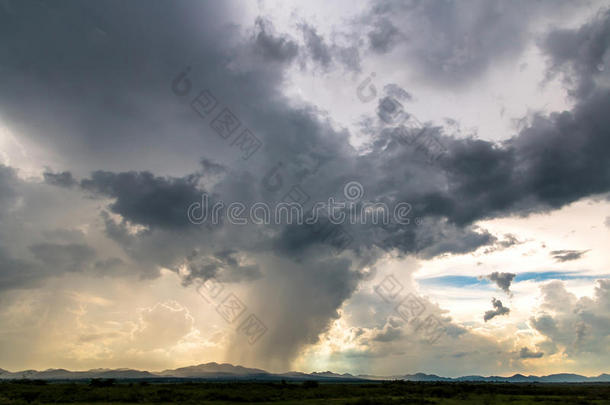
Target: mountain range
[225, 371]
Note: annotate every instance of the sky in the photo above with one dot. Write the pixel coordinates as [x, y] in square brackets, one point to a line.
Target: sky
[481, 126]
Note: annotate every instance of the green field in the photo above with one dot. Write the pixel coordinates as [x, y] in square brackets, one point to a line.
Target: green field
[108, 392]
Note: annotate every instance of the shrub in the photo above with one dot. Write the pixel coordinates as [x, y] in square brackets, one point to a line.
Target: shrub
[101, 382]
[310, 384]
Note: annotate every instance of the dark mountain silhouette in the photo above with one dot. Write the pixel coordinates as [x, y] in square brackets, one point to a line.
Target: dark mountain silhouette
[225, 371]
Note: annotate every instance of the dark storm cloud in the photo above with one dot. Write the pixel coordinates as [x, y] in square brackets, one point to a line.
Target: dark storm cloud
[82, 81]
[567, 255]
[474, 169]
[145, 199]
[526, 353]
[502, 280]
[63, 179]
[227, 256]
[31, 254]
[498, 310]
[15, 273]
[8, 180]
[108, 264]
[224, 266]
[581, 55]
[383, 36]
[211, 168]
[448, 239]
[72, 256]
[479, 172]
[117, 231]
[51, 260]
[111, 94]
[200, 272]
[272, 47]
[300, 319]
[557, 160]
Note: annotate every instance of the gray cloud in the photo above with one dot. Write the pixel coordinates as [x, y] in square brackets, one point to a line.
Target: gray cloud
[8, 180]
[526, 353]
[508, 241]
[145, 199]
[212, 168]
[15, 272]
[65, 235]
[567, 255]
[324, 53]
[30, 254]
[394, 90]
[383, 36]
[319, 51]
[117, 231]
[499, 310]
[301, 319]
[486, 180]
[39, 85]
[108, 264]
[526, 167]
[502, 280]
[72, 256]
[581, 55]
[453, 44]
[447, 239]
[274, 48]
[63, 179]
[224, 266]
